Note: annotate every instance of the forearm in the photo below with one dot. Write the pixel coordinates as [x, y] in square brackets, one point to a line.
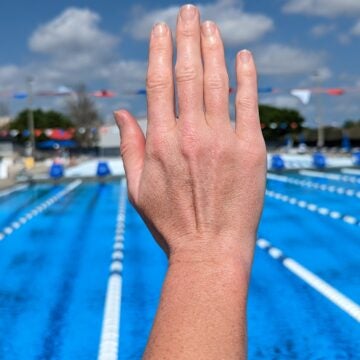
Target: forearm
[202, 313]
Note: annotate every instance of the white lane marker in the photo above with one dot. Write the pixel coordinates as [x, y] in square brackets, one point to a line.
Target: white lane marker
[350, 219]
[7, 192]
[110, 333]
[335, 214]
[351, 171]
[313, 185]
[330, 176]
[321, 286]
[17, 224]
[323, 211]
[314, 208]
[275, 253]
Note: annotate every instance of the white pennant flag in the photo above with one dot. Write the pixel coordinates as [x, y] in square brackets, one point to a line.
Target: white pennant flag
[304, 95]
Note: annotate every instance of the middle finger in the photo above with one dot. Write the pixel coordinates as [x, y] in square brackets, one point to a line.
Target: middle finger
[189, 69]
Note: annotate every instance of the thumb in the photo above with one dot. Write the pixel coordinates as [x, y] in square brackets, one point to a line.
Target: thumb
[132, 149]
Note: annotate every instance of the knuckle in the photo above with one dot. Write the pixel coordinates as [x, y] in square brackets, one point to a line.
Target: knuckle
[185, 73]
[258, 152]
[158, 46]
[192, 146]
[189, 150]
[188, 146]
[248, 72]
[187, 32]
[157, 147]
[246, 102]
[158, 81]
[216, 81]
[214, 46]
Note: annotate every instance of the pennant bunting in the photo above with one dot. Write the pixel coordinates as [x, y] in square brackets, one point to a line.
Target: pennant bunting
[335, 92]
[104, 94]
[304, 95]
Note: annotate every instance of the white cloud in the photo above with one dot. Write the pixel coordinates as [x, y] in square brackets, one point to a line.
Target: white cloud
[75, 44]
[344, 39]
[327, 8]
[322, 29]
[237, 27]
[11, 76]
[281, 101]
[277, 59]
[356, 29]
[77, 50]
[73, 31]
[322, 74]
[125, 74]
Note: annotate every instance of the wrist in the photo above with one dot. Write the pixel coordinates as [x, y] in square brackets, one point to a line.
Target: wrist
[230, 254]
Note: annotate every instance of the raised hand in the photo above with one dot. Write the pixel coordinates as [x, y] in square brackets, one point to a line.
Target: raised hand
[198, 182]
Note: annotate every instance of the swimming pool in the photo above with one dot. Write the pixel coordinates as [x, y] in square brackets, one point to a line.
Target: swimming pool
[69, 251]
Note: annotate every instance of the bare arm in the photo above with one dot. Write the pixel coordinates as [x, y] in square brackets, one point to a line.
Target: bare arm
[199, 185]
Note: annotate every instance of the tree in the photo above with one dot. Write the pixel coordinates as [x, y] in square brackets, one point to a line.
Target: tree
[348, 124]
[83, 112]
[279, 122]
[42, 120]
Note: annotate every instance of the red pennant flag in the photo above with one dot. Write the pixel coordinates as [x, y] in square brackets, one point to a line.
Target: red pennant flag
[335, 91]
[104, 94]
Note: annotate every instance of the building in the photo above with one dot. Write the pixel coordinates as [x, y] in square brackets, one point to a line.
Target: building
[4, 121]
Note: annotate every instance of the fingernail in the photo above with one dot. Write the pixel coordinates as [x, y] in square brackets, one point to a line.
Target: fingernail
[188, 12]
[208, 28]
[245, 56]
[160, 29]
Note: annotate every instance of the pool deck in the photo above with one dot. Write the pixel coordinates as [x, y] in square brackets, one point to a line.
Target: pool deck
[86, 169]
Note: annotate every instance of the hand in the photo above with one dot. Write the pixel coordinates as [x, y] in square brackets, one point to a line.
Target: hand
[199, 185]
[197, 182]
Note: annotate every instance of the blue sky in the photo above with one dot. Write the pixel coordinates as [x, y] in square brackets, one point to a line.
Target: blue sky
[104, 44]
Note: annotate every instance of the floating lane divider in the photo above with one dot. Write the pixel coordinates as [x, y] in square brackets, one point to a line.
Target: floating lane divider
[313, 208]
[351, 171]
[314, 185]
[330, 176]
[110, 333]
[321, 286]
[17, 224]
[13, 189]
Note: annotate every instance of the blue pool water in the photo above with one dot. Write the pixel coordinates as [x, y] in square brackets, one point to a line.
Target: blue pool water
[54, 273]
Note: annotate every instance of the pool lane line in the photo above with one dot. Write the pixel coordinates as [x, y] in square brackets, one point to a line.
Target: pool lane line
[352, 220]
[17, 224]
[351, 171]
[331, 176]
[58, 312]
[13, 189]
[320, 285]
[110, 332]
[34, 197]
[314, 185]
